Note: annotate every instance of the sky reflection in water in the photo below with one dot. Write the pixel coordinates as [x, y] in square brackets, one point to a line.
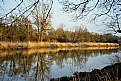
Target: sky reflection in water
[44, 64]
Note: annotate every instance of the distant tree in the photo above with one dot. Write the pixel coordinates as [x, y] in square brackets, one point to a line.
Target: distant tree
[19, 30]
[97, 37]
[61, 35]
[112, 39]
[79, 34]
[52, 35]
[23, 29]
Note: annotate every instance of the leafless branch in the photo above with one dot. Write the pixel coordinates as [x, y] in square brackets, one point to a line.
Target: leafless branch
[108, 10]
[13, 9]
[50, 9]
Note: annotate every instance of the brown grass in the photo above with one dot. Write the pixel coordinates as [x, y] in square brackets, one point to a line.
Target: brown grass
[30, 45]
[28, 52]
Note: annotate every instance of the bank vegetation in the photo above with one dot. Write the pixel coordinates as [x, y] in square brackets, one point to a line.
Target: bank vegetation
[35, 45]
[23, 30]
[23, 34]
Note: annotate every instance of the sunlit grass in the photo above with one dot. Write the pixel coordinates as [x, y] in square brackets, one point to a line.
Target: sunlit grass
[29, 45]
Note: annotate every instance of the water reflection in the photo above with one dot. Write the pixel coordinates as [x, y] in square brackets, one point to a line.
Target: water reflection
[44, 64]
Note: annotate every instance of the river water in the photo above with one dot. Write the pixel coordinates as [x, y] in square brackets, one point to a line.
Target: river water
[44, 64]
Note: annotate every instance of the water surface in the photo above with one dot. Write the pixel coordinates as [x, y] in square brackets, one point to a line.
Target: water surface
[44, 64]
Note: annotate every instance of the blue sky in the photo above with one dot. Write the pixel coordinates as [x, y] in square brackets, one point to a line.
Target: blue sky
[58, 18]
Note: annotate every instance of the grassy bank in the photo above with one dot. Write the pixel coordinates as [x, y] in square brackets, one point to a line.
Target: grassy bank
[31, 45]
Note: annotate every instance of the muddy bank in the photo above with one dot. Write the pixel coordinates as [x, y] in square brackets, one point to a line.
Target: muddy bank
[108, 73]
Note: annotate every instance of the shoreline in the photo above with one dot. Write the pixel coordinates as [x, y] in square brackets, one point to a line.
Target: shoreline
[38, 45]
[28, 52]
[110, 72]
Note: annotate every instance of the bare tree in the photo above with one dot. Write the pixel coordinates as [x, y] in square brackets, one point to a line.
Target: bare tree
[1, 30]
[113, 23]
[94, 9]
[41, 9]
[42, 17]
[79, 9]
[19, 9]
[84, 7]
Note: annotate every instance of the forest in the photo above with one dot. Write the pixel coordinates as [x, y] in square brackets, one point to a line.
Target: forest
[23, 30]
[32, 21]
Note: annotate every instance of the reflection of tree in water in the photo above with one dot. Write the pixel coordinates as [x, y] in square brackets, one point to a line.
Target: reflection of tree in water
[36, 66]
[41, 68]
[22, 66]
[16, 64]
[76, 58]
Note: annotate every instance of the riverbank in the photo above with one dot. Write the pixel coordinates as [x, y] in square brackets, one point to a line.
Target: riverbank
[31, 45]
[108, 73]
[29, 52]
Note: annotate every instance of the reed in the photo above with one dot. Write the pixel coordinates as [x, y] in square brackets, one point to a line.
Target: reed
[31, 45]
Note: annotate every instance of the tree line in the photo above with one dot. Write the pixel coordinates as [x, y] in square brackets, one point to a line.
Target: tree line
[18, 27]
[23, 30]
[41, 10]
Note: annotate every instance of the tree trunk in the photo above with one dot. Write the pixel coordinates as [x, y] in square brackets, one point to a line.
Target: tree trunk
[42, 32]
[0, 33]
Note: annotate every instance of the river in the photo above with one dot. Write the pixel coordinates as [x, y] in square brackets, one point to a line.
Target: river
[44, 64]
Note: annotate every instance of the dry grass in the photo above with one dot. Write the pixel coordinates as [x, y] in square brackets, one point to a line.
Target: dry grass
[28, 52]
[29, 45]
